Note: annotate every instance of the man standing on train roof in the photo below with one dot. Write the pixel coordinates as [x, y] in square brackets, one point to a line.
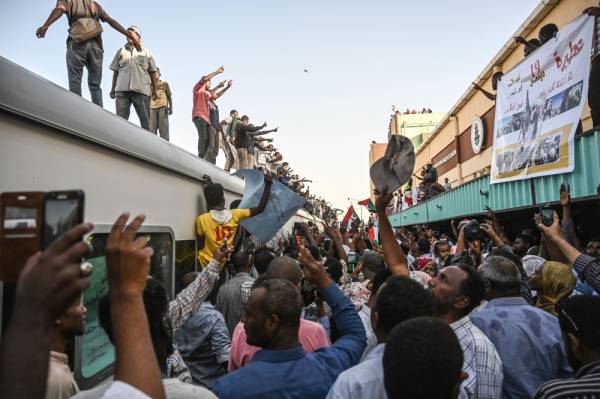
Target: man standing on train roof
[135, 79]
[161, 107]
[201, 95]
[84, 44]
[220, 224]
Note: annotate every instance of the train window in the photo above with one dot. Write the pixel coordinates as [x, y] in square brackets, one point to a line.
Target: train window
[185, 260]
[96, 353]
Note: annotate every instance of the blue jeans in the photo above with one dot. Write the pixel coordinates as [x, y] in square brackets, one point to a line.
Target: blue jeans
[88, 55]
[141, 103]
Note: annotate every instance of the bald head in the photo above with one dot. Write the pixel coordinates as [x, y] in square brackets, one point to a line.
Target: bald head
[285, 268]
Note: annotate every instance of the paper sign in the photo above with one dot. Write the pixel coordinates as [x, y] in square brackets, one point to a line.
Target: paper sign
[282, 205]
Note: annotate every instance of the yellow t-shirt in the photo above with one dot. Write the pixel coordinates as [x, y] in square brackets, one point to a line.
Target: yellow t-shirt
[215, 233]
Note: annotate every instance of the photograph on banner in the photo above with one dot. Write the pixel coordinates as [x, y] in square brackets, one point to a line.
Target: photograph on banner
[539, 105]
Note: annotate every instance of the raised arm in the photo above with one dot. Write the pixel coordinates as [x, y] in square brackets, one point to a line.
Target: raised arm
[220, 93]
[568, 227]
[392, 251]
[211, 75]
[336, 237]
[189, 300]
[264, 199]
[486, 93]
[346, 351]
[48, 285]
[119, 28]
[127, 267]
[55, 14]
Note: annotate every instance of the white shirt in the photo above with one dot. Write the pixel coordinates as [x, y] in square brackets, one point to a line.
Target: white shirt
[174, 389]
[365, 380]
[365, 317]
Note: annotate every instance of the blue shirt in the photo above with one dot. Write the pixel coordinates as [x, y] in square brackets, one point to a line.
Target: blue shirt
[291, 373]
[363, 381]
[204, 344]
[528, 341]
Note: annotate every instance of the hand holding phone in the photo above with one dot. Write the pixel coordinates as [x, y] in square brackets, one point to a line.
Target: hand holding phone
[546, 216]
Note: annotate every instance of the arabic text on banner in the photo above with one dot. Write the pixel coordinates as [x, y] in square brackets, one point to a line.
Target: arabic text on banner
[539, 104]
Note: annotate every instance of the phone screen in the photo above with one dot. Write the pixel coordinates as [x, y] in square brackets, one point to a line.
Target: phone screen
[546, 217]
[59, 216]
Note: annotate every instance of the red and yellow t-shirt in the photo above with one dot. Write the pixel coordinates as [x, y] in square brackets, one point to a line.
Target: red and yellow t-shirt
[215, 233]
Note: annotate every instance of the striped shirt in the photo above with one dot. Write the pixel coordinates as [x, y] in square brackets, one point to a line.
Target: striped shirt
[585, 385]
[481, 362]
[588, 270]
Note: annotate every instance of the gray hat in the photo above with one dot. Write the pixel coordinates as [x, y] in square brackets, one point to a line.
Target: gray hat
[373, 262]
[396, 166]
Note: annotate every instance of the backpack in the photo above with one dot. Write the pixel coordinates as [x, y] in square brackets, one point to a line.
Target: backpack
[84, 29]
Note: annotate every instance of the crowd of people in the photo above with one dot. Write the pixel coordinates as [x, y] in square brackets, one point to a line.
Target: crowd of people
[467, 313]
[137, 82]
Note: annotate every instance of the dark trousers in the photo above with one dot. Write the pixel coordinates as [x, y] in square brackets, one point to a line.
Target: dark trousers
[141, 103]
[213, 145]
[88, 55]
[594, 92]
[203, 136]
[159, 121]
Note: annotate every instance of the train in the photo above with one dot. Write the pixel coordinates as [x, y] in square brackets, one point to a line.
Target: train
[52, 139]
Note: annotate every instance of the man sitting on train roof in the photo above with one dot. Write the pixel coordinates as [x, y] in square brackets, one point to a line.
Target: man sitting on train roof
[219, 225]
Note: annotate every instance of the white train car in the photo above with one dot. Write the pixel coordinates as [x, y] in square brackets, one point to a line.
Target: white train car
[51, 139]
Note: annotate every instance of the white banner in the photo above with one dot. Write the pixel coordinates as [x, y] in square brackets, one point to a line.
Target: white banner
[539, 104]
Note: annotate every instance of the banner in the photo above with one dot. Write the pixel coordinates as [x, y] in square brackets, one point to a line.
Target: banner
[539, 104]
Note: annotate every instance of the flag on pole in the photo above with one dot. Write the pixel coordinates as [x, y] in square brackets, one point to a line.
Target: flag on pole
[350, 216]
[369, 204]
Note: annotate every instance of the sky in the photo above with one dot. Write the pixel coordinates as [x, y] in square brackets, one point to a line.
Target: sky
[361, 57]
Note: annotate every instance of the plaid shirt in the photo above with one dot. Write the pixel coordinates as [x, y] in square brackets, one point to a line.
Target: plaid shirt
[588, 269]
[189, 300]
[185, 304]
[481, 362]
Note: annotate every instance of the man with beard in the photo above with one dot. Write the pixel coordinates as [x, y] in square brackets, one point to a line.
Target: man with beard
[458, 290]
[60, 383]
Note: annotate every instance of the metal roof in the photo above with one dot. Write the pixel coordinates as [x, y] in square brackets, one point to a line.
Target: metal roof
[30, 96]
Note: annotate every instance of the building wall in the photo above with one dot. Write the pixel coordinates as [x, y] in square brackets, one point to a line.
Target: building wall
[376, 152]
[447, 138]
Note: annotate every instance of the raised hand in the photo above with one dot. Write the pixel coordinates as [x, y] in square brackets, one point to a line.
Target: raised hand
[313, 270]
[382, 200]
[52, 280]
[127, 258]
[220, 69]
[565, 194]
[553, 231]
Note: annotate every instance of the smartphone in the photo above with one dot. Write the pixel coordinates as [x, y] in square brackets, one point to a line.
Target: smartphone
[327, 244]
[546, 216]
[63, 210]
[21, 220]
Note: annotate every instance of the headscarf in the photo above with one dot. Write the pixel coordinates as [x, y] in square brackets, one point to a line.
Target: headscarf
[558, 282]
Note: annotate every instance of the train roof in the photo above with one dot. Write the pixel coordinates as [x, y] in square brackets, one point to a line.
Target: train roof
[31, 96]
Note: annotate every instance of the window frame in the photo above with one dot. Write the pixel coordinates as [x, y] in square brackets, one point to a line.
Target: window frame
[107, 372]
